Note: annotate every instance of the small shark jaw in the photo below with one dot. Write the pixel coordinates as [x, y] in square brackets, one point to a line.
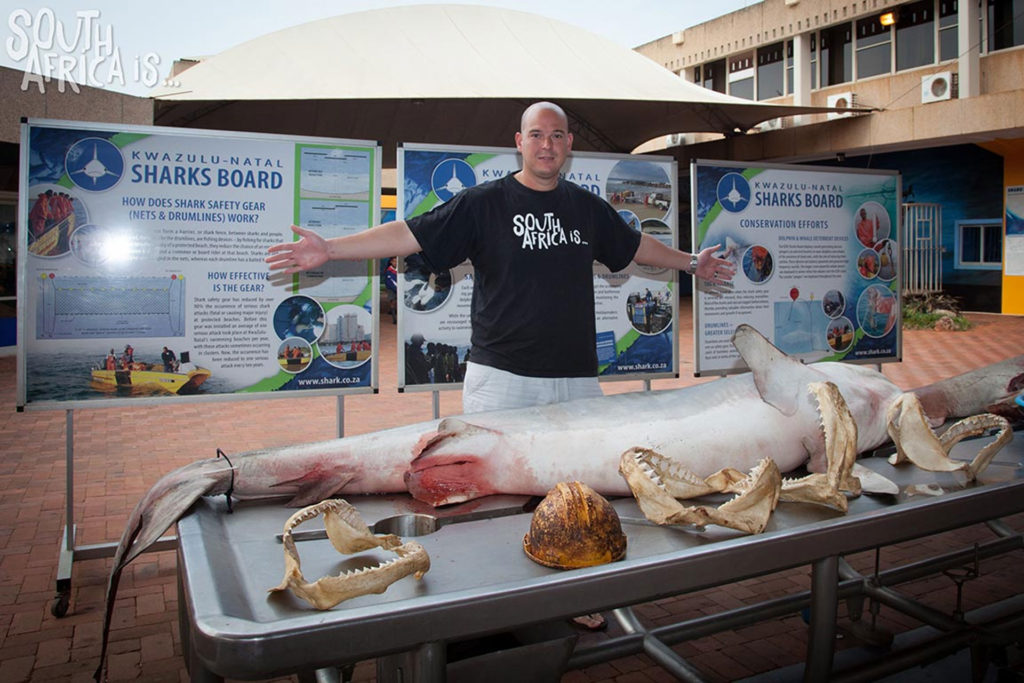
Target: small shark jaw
[916, 442]
[348, 534]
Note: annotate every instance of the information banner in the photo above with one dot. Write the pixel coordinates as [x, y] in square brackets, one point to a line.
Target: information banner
[144, 275]
[635, 308]
[1013, 258]
[816, 253]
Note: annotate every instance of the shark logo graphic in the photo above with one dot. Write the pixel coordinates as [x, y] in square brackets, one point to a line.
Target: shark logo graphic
[451, 177]
[94, 164]
[733, 192]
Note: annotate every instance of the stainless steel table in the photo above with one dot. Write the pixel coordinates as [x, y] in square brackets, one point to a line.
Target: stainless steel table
[481, 582]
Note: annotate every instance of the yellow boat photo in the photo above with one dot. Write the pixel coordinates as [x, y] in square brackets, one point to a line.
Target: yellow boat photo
[171, 375]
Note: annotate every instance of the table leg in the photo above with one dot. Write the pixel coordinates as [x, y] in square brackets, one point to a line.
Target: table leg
[197, 671]
[824, 602]
[425, 664]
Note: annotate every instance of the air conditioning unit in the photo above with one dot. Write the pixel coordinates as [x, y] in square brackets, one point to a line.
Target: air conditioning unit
[938, 87]
[840, 100]
[770, 124]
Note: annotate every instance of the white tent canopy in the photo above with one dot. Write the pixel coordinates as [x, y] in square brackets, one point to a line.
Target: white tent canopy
[446, 73]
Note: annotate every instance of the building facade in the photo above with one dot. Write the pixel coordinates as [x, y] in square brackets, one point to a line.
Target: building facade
[933, 89]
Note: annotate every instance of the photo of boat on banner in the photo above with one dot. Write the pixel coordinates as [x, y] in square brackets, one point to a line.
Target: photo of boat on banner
[294, 354]
[128, 373]
[346, 341]
[54, 214]
[641, 188]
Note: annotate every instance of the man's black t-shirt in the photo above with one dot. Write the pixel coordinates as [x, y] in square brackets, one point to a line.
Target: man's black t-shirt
[532, 254]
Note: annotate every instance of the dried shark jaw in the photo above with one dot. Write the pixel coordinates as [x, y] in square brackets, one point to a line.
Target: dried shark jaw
[658, 482]
[916, 442]
[348, 534]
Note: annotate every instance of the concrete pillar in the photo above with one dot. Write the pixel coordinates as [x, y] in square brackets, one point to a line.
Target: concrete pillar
[969, 48]
[801, 72]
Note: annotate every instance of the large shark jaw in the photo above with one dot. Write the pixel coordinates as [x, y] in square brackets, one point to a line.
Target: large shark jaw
[840, 431]
[657, 482]
[348, 534]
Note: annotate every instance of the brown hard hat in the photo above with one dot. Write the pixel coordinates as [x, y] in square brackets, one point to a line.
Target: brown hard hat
[574, 527]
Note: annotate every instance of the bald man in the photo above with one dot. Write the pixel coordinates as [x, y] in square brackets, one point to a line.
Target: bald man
[532, 238]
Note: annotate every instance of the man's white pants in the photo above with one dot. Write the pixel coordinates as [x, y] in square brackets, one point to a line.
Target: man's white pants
[486, 388]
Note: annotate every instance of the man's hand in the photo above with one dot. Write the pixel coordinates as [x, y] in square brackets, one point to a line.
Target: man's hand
[309, 252]
[717, 273]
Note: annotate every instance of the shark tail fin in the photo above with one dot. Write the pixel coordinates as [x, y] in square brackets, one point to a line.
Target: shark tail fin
[161, 507]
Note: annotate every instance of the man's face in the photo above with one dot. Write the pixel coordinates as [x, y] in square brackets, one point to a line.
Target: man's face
[545, 144]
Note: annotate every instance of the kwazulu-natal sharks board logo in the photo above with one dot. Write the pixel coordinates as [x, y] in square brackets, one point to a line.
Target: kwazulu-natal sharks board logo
[451, 177]
[94, 164]
[733, 192]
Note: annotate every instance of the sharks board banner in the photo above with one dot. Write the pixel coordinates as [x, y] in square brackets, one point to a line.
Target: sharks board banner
[635, 309]
[816, 251]
[143, 276]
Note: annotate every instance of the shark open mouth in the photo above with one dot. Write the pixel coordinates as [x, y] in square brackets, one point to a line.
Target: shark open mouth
[348, 534]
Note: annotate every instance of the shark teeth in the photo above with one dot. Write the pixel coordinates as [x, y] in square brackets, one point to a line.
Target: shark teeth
[348, 533]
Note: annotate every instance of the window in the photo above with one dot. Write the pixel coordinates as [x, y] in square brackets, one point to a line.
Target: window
[948, 25]
[1005, 24]
[8, 237]
[771, 76]
[814, 61]
[915, 35]
[741, 76]
[835, 55]
[790, 86]
[874, 48]
[979, 244]
[714, 76]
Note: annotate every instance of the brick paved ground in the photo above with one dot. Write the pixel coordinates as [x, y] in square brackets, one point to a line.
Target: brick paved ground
[119, 453]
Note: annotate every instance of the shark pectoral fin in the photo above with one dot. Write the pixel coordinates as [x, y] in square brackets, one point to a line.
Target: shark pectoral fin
[320, 487]
[448, 428]
[453, 426]
[772, 369]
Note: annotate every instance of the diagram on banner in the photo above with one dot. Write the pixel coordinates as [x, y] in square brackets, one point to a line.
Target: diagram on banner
[334, 173]
[73, 307]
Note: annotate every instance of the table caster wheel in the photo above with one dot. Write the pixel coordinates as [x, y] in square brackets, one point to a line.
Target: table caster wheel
[59, 606]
